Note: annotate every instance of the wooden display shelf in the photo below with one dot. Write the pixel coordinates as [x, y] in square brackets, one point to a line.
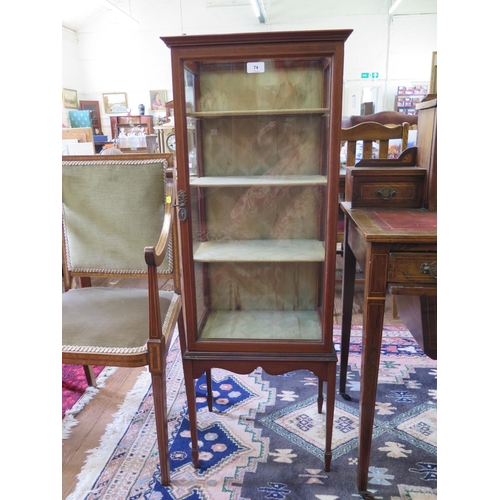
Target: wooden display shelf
[261, 180]
[263, 325]
[261, 251]
[255, 112]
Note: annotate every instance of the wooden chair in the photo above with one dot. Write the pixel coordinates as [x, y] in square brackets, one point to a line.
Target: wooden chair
[118, 220]
[384, 117]
[368, 133]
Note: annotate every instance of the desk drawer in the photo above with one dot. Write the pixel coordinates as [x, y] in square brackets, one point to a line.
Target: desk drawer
[384, 187]
[412, 267]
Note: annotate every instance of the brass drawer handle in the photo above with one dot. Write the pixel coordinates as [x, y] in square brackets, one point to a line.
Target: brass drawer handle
[431, 269]
[386, 193]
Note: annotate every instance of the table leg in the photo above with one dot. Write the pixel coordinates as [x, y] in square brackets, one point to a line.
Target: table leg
[377, 256]
[320, 396]
[348, 281]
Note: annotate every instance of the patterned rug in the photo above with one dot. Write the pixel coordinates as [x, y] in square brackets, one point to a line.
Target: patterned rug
[76, 393]
[74, 384]
[265, 439]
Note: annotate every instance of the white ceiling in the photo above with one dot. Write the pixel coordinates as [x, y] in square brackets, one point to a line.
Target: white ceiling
[76, 13]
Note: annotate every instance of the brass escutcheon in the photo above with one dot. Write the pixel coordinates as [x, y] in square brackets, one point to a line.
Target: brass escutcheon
[182, 202]
[431, 269]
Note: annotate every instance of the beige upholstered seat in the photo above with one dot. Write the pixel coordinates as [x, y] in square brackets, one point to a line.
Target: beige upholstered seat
[118, 221]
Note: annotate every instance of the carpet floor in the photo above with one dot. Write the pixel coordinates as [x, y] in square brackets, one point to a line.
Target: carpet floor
[265, 439]
[74, 384]
[76, 393]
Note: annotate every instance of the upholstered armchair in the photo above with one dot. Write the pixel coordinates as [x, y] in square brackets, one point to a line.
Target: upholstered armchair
[118, 221]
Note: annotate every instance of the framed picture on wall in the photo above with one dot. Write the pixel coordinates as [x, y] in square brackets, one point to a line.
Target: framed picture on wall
[115, 102]
[158, 99]
[70, 99]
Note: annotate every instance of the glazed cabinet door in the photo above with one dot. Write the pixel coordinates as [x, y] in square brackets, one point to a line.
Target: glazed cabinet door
[257, 185]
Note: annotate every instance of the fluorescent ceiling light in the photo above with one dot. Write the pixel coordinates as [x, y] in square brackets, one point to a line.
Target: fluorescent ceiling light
[258, 8]
[394, 6]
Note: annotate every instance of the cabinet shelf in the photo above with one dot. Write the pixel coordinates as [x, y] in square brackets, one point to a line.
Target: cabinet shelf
[130, 121]
[250, 112]
[263, 180]
[285, 326]
[408, 98]
[261, 251]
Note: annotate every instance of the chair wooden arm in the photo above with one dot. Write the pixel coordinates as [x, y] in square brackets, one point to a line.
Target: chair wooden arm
[155, 255]
[66, 276]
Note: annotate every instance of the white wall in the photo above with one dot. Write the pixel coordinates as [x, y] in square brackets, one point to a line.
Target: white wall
[121, 53]
[71, 63]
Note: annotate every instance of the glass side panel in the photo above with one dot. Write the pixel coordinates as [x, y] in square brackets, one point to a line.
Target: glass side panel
[258, 175]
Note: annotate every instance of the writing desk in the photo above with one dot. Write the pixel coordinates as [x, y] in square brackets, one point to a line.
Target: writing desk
[397, 249]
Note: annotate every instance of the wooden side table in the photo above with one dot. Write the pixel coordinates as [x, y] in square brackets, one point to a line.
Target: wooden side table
[396, 248]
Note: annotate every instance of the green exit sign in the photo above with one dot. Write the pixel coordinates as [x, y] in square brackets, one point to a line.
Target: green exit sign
[369, 75]
[365, 75]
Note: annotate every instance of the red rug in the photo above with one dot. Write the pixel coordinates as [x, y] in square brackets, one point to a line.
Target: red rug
[74, 384]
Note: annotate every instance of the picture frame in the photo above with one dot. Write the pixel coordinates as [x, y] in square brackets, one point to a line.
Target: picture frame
[83, 134]
[115, 102]
[69, 98]
[158, 100]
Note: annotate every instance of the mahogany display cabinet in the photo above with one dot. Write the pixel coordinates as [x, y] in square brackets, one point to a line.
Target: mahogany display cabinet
[257, 125]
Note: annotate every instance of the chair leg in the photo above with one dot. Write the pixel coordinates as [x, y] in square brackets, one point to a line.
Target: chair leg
[85, 282]
[90, 375]
[159, 384]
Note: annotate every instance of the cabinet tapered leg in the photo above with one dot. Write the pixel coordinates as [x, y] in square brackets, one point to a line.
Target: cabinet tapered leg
[210, 398]
[191, 402]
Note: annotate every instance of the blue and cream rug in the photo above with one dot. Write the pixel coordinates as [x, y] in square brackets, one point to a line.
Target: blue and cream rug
[265, 439]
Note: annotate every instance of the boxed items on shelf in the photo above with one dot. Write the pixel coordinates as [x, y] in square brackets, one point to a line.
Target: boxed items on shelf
[408, 97]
